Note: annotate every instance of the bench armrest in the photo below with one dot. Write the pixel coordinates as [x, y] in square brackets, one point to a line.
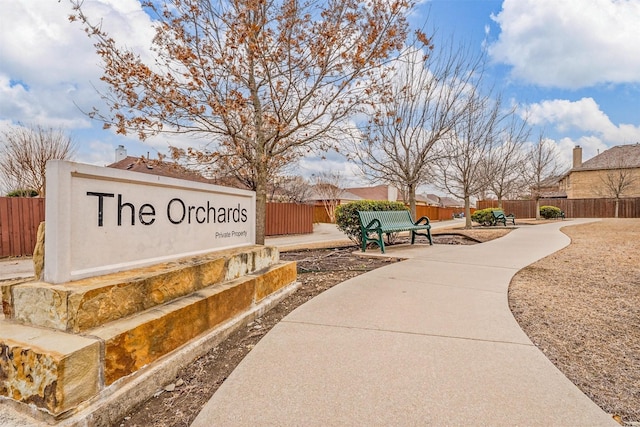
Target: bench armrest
[373, 225]
[423, 220]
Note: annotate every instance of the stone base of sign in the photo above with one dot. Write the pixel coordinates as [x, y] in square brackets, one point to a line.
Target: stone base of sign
[70, 351]
[87, 303]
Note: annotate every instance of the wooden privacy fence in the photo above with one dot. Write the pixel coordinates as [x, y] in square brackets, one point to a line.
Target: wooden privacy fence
[288, 218]
[19, 220]
[436, 213]
[320, 214]
[573, 208]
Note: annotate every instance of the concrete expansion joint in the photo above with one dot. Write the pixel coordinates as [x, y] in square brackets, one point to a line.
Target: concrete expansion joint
[422, 334]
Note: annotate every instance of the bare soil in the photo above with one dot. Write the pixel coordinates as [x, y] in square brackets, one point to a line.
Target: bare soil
[581, 306]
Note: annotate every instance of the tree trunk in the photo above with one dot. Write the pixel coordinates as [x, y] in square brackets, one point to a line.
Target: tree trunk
[467, 212]
[537, 208]
[412, 200]
[617, 207]
[261, 203]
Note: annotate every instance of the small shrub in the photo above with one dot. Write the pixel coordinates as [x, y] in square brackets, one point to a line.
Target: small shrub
[484, 216]
[347, 218]
[23, 193]
[549, 212]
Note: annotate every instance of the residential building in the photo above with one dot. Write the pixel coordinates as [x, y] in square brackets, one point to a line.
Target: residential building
[598, 177]
[154, 167]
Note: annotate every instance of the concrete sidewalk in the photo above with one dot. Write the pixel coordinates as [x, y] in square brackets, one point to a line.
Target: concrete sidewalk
[427, 341]
[16, 268]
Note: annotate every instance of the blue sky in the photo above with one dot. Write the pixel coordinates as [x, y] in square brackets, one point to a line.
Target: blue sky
[574, 63]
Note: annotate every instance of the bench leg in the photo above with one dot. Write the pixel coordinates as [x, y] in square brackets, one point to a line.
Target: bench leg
[415, 233]
[366, 239]
[380, 242]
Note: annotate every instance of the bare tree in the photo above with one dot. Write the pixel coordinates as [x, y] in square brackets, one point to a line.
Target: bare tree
[503, 165]
[460, 172]
[260, 82]
[25, 152]
[618, 177]
[293, 189]
[328, 188]
[540, 164]
[398, 141]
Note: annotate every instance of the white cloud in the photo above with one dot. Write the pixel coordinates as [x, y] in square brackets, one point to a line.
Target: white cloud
[569, 43]
[580, 123]
[583, 116]
[349, 173]
[49, 67]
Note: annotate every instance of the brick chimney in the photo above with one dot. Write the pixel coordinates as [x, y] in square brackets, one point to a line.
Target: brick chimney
[577, 156]
[121, 153]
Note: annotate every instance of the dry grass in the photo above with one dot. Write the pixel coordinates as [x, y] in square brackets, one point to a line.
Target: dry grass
[581, 307]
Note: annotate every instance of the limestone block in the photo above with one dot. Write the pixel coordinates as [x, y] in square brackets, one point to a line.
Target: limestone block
[93, 306]
[40, 304]
[249, 262]
[267, 256]
[135, 342]
[274, 278]
[49, 369]
[88, 303]
[7, 300]
[38, 253]
[6, 295]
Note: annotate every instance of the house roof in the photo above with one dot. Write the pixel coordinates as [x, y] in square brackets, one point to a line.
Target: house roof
[551, 181]
[446, 202]
[379, 192]
[620, 156]
[422, 198]
[348, 195]
[557, 194]
[430, 199]
[158, 167]
[449, 202]
[345, 195]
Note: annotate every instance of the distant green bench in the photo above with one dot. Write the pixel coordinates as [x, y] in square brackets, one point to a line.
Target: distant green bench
[499, 216]
[387, 222]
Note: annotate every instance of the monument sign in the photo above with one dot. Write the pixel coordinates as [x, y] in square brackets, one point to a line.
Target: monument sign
[101, 220]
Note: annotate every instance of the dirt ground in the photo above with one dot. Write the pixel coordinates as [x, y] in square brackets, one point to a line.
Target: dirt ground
[598, 349]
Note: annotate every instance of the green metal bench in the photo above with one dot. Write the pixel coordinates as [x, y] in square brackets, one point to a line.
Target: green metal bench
[499, 216]
[387, 222]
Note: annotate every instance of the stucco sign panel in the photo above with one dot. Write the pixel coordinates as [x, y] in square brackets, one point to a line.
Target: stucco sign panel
[101, 220]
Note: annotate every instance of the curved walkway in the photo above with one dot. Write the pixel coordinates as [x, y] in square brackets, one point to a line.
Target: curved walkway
[429, 341]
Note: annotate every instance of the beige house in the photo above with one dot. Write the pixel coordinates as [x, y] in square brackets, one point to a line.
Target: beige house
[614, 173]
